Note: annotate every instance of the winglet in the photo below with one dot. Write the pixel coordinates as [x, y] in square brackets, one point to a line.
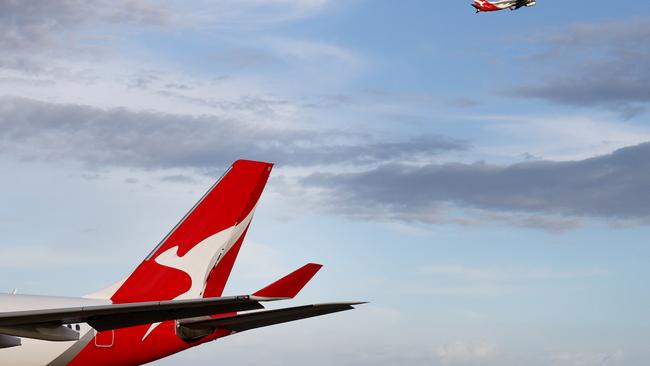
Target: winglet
[290, 285]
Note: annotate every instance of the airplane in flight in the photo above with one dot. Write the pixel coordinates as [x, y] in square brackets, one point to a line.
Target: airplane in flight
[496, 5]
[171, 302]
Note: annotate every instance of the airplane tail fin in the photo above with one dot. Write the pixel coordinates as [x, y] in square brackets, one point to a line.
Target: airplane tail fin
[195, 259]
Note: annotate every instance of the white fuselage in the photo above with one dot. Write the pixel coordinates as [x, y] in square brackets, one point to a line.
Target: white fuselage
[504, 4]
[491, 5]
[34, 352]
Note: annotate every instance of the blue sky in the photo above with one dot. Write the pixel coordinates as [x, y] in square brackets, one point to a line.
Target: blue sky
[481, 179]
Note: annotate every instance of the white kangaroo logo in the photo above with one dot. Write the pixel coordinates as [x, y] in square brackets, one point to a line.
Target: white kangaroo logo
[199, 261]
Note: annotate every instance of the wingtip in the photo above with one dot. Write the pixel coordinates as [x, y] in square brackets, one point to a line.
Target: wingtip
[289, 286]
[351, 303]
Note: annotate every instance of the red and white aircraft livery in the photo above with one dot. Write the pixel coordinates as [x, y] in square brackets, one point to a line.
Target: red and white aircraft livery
[496, 5]
[171, 302]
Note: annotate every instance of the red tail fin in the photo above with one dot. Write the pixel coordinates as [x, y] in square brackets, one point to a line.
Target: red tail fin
[196, 257]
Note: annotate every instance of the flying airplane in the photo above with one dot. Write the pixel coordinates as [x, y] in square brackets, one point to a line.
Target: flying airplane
[171, 302]
[496, 5]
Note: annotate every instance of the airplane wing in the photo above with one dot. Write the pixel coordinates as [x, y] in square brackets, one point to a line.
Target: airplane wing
[116, 316]
[48, 324]
[290, 285]
[191, 328]
[520, 4]
[285, 288]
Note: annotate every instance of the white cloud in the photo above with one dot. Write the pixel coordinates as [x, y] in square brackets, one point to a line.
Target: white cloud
[587, 359]
[247, 14]
[43, 256]
[466, 353]
[556, 137]
[259, 262]
[512, 274]
[310, 51]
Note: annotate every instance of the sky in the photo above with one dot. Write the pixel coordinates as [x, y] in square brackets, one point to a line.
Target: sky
[482, 179]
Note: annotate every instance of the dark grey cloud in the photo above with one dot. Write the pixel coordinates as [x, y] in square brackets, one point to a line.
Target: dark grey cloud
[612, 187]
[595, 65]
[33, 130]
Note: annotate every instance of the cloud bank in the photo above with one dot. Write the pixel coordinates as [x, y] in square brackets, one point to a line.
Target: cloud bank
[596, 65]
[611, 187]
[33, 130]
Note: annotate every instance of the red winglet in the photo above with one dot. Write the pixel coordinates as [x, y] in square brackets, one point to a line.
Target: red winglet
[290, 285]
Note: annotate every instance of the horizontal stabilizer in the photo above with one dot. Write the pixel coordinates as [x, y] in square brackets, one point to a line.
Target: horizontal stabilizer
[116, 316]
[243, 322]
[290, 285]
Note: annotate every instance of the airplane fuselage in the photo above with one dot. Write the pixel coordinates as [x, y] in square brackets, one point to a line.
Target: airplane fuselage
[34, 352]
[496, 5]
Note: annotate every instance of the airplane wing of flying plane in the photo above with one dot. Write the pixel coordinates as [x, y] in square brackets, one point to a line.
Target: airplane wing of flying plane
[171, 302]
[521, 4]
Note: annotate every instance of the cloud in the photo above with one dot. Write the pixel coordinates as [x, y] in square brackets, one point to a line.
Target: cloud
[611, 187]
[453, 280]
[511, 274]
[179, 178]
[465, 353]
[556, 137]
[41, 22]
[595, 65]
[251, 14]
[587, 358]
[42, 256]
[34, 34]
[302, 51]
[33, 130]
